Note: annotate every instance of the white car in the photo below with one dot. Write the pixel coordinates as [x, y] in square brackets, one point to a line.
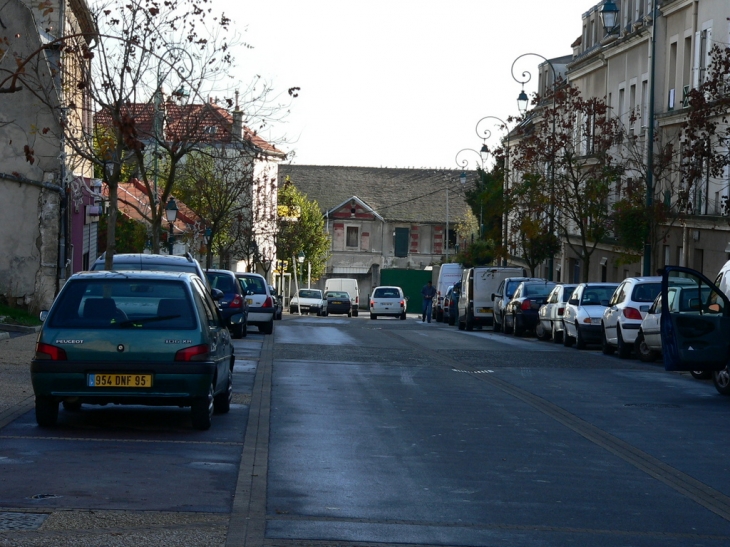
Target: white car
[388, 301]
[648, 343]
[584, 313]
[625, 312]
[261, 305]
[308, 301]
[551, 313]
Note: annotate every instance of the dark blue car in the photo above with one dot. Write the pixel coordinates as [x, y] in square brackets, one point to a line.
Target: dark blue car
[233, 301]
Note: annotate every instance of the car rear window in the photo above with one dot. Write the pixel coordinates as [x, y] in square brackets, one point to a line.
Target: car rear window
[338, 295]
[123, 303]
[540, 289]
[646, 292]
[593, 296]
[254, 284]
[222, 282]
[306, 293]
[386, 293]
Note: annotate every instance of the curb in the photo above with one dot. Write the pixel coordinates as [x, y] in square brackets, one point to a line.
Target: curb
[6, 327]
[4, 335]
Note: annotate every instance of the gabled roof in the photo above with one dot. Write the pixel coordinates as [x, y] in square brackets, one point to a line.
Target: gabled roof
[396, 195]
[205, 123]
[358, 201]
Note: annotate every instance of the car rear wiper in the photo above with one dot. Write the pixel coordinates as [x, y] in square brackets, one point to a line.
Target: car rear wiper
[139, 322]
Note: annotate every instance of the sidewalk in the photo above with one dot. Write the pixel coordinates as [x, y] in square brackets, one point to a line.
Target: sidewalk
[15, 387]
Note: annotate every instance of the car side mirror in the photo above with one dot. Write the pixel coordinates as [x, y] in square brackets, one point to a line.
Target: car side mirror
[573, 301]
[217, 294]
[493, 295]
[43, 315]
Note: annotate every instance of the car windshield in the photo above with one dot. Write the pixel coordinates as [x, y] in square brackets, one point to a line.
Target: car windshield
[646, 292]
[310, 293]
[123, 303]
[252, 285]
[335, 294]
[538, 289]
[593, 296]
[386, 293]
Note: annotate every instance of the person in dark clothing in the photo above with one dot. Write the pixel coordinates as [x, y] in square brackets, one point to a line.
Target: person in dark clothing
[428, 292]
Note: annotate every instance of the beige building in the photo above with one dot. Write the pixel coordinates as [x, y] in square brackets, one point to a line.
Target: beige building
[35, 172]
[617, 66]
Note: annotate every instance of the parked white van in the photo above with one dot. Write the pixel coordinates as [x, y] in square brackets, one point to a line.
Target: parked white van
[476, 307]
[449, 274]
[348, 285]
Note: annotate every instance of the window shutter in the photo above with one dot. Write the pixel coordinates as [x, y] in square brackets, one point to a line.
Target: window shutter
[696, 64]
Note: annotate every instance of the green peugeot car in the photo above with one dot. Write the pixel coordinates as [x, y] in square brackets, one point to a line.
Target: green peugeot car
[138, 338]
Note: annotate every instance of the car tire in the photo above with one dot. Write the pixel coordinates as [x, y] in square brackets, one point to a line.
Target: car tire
[646, 355]
[701, 374]
[567, 339]
[222, 401]
[606, 348]
[46, 411]
[373, 316]
[452, 320]
[201, 411]
[580, 342]
[721, 379]
[557, 335]
[623, 349]
[403, 316]
[462, 326]
[354, 313]
[505, 328]
[469, 324]
[541, 333]
[439, 317]
[244, 329]
[268, 327]
[349, 314]
[291, 311]
[71, 406]
[497, 327]
[238, 330]
[517, 328]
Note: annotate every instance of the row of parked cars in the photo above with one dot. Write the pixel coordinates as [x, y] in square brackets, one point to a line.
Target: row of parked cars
[680, 315]
[153, 330]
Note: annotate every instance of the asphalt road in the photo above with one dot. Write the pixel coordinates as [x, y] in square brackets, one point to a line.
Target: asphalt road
[401, 432]
[348, 431]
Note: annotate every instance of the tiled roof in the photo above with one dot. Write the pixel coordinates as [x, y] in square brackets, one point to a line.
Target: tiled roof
[133, 196]
[208, 123]
[398, 195]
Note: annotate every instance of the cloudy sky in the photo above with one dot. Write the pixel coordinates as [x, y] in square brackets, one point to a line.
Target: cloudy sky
[397, 83]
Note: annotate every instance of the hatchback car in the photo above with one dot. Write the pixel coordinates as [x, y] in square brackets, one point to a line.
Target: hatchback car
[278, 303]
[233, 301]
[261, 307]
[308, 301]
[521, 313]
[504, 294]
[142, 338]
[625, 312]
[584, 313]
[388, 301]
[551, 313]
[450, 303]
[338, 302]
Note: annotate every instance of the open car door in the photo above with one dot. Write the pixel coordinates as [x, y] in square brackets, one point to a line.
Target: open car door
[695, 325]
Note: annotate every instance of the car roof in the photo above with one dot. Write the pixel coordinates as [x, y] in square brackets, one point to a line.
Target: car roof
[133, 274]
[649, 279]
[144, 257]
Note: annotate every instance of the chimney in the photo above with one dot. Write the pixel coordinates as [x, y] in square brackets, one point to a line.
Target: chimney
[237, 129]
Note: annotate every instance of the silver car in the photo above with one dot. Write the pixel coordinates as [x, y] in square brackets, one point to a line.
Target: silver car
[584, 312]
[551, 313]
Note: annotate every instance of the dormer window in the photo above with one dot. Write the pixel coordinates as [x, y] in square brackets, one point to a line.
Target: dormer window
[210, 129]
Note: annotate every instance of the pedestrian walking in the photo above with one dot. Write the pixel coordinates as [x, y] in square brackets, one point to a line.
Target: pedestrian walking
[428, 292]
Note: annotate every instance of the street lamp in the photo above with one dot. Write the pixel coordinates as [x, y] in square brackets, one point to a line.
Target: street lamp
[171, 214]
[522, 104]
[208, 235]
[485, 134]
[609, 16]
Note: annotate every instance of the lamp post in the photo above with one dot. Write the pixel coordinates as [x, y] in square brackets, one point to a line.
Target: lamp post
[208, 235]
[485, 134]
[464, 164]
[522, 101]
[171, 214]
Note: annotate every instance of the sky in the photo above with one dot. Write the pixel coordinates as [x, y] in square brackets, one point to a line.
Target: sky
[397, 83]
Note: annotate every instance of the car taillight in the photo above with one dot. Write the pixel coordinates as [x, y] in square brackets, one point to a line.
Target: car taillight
[267, 303]
[526, 305]
[561, 311]
[402, 303]
[372, 303]
[237, 302]
[357, 300]
[632, 313]
[193, 353]
[52, 353]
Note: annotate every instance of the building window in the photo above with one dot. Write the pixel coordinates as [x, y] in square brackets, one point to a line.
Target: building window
[402, 236]
[352, 237]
